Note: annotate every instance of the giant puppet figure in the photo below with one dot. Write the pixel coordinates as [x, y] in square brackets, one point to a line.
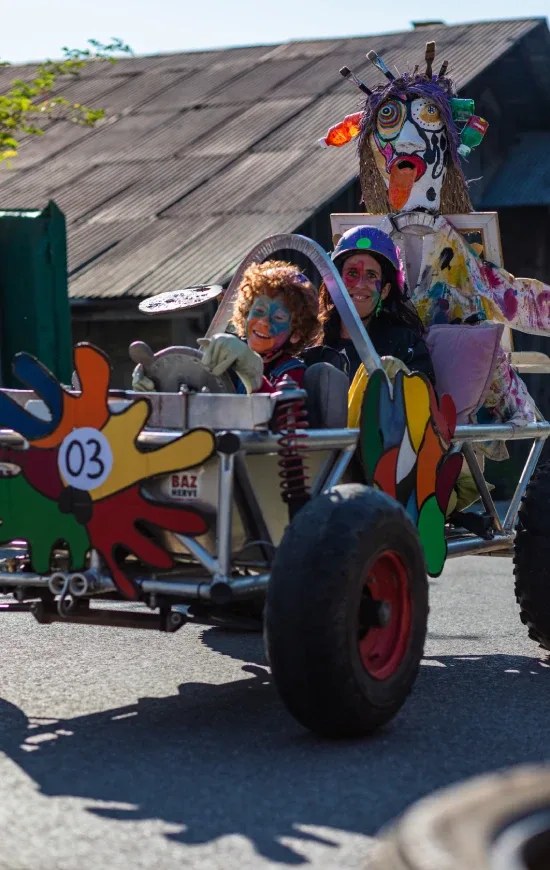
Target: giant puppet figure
[412, 133]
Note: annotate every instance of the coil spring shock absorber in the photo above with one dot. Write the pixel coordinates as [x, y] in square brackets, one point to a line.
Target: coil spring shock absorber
[290, 416]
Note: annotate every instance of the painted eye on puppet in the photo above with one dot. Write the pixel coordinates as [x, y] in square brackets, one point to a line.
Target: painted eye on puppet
[426, 114]
[390, 119]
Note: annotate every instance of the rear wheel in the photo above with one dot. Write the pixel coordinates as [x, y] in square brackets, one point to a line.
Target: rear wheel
[346, 612]
[532, 558]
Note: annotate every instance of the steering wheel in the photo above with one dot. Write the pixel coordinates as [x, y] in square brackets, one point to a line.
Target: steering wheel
[173, 367]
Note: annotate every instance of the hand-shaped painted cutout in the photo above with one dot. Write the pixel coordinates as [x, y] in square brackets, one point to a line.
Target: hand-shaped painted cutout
[79, 479]
[404, 446]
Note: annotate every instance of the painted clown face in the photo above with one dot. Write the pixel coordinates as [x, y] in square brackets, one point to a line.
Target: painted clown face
[268, 325]
[362, 277]
[410, 147]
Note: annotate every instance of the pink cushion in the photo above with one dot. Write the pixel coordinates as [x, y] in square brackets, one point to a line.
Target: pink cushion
[464, 358]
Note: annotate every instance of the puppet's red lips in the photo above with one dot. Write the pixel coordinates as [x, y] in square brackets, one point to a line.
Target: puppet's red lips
[408, 161]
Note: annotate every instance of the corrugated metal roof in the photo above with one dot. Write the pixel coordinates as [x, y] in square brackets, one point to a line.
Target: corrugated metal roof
[216, 253]
[249, 126]
[28, 189]
[87, 242]
[158, 186]
[524, 179]
[58, 136]
[194, 88]
[98, 186]
[118, 136]
[223, 144]
[318, 178]
[312, 48]
[227, 56]
[88, 90]
[161, 139]
[136, 257]
[226, 191]
[296, 134]
[139, 90]
[259, 81]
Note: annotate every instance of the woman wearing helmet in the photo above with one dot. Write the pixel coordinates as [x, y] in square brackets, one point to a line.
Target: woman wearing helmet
[372, 272]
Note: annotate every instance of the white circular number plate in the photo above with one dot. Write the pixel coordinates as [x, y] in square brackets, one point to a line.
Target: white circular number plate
[85, 459]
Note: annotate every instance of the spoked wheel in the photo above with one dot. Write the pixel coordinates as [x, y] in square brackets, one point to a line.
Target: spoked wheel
[384, 616]
[346, 612]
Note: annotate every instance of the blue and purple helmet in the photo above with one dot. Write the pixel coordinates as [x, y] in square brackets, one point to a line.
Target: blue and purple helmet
[370, 240]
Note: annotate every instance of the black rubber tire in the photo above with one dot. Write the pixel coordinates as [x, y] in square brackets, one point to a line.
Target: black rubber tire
[312, 611]
[468, 826]
[532, 558]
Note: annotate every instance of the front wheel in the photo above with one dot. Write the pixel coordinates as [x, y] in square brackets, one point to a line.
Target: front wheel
[346, 612]
[531, 558]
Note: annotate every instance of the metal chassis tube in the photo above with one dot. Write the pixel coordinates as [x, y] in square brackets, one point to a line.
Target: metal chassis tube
[220, 587]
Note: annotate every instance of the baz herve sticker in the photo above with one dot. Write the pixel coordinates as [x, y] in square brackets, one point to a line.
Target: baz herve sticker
[184, 485]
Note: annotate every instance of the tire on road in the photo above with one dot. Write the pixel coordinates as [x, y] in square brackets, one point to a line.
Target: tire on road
[346, 612]
[495, 822]
[532, 558]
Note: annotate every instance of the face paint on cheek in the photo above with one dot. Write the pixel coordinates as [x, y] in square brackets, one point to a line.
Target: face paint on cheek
[268, 326]
[376, 295]
[351, 281]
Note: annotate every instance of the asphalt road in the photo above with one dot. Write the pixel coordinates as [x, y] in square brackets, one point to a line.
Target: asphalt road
[125, 749]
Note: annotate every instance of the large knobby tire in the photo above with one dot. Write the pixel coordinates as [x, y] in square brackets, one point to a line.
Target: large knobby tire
[346, 612]
[532, 558]
[494, 822]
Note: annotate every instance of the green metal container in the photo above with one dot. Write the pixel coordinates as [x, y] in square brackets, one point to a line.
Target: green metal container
[34, 299]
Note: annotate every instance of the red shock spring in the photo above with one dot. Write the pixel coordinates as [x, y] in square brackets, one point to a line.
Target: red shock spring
[291, 416]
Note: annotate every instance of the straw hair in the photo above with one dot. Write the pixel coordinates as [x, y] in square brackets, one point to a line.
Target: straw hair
[455, 198]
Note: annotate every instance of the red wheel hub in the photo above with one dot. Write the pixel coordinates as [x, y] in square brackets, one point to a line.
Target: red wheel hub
[385, 616]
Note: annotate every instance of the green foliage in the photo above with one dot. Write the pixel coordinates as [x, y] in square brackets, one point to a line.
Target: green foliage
[26, 106]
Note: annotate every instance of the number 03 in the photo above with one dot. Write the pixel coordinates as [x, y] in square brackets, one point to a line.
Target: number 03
[85, 459]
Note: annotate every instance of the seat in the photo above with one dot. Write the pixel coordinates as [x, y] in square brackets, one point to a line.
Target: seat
[327, 396]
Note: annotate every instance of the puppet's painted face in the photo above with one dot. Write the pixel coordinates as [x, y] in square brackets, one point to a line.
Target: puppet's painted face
[268, 324]
[410, 146]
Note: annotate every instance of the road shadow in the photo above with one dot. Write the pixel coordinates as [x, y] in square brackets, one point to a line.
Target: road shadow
[227, 759]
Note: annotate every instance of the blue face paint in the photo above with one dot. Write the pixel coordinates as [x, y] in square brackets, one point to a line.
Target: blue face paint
[268, 324]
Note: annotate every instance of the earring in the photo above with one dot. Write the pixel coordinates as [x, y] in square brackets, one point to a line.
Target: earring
[378, 308]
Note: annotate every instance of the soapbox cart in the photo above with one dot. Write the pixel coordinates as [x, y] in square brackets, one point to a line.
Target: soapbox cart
[196, 504]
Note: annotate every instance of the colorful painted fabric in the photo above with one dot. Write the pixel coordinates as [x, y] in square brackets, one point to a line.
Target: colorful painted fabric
[456, 284]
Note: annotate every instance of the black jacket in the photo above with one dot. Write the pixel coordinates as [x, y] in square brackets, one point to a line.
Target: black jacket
[388, 340]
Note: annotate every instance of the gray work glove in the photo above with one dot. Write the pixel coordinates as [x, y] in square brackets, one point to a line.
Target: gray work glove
[140, 382]
[223, 351]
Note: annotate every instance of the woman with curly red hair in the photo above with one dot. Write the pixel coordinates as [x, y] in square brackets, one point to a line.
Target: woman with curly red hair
[275, 316]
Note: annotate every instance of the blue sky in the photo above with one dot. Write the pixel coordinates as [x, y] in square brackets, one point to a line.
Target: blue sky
[34, 29]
